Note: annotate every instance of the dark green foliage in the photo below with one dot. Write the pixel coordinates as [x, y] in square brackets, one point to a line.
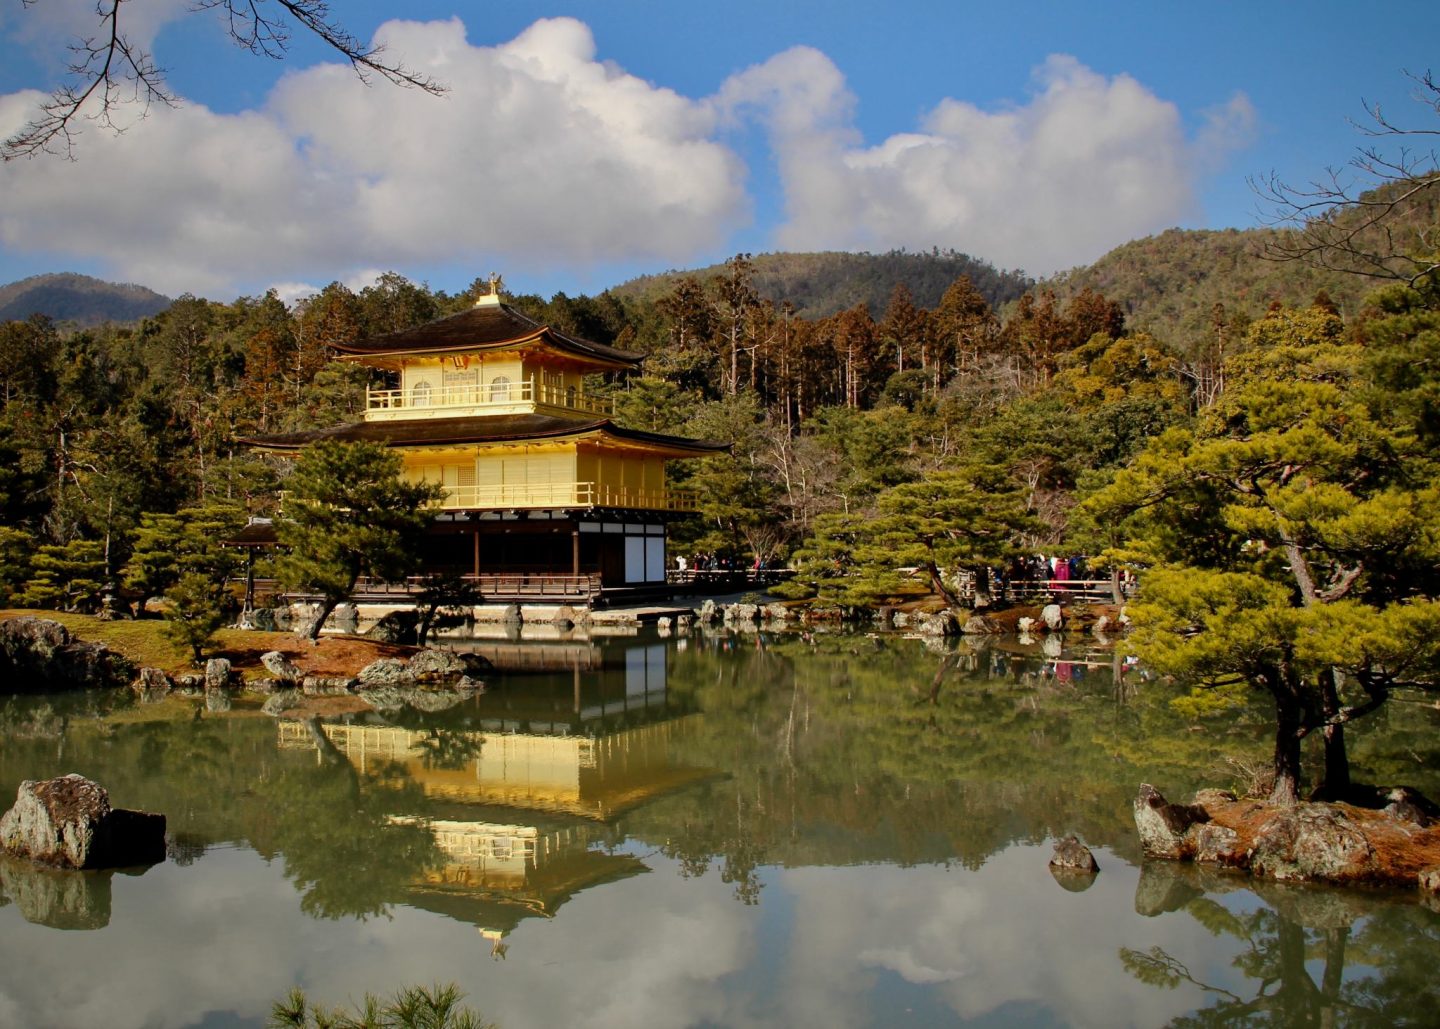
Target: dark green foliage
[196, 606]
[1292, 537]
[16, 548]
[348, 513]
[66, 577]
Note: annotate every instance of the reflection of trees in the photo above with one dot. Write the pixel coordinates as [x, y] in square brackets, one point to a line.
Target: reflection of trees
[850, 749]
[343, 849]
[1295, 953]
[446, 749]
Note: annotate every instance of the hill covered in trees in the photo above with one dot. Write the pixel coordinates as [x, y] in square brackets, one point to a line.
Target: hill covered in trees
[80, 300]
[1178, 284]
[821, 284]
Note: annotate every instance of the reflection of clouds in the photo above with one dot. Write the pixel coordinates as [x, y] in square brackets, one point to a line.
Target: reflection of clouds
[833, 946]
[984, 941]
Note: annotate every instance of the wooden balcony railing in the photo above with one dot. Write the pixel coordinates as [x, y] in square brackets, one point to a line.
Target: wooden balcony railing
[564, 494]
[493, 396]
[553, 586]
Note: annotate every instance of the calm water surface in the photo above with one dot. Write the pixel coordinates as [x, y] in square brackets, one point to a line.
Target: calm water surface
[711, 831]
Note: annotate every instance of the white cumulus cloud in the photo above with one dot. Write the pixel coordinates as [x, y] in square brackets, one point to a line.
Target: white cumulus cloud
[540, 154]
[543, 156]
[1086, 163]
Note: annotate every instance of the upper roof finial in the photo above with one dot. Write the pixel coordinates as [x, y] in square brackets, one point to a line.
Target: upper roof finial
[492, 298]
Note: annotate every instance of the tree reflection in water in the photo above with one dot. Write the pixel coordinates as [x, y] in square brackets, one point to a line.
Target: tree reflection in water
[1294, 951]
[446, 750]
[342, 848]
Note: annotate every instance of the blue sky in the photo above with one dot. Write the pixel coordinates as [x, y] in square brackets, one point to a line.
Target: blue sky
[582, 143]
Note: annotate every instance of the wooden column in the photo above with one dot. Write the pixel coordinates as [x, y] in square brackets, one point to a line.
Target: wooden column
[575, 552]
[477, 548]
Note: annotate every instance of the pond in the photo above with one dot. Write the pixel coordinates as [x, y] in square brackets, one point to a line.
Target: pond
[707, 831]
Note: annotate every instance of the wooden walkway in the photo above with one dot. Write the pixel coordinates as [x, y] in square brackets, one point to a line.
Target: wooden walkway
[1074, 591]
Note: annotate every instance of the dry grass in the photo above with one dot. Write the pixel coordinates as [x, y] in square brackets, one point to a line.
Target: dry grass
[144, 642]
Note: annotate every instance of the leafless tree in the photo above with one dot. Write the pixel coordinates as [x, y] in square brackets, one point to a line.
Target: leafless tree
[1375, 216]
[108, 70]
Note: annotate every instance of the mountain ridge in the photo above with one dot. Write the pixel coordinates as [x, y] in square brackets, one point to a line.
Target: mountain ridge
[80, 300]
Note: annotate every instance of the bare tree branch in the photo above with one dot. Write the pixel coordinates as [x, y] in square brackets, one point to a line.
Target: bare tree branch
[1375, 217]
[109, 71]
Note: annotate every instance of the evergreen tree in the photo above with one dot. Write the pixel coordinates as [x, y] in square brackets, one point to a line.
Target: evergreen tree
[349, 513]
[196, 605]
[66, 577]
[1293, 537]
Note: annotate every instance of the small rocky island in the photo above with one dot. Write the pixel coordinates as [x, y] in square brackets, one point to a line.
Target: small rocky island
[1341, 844]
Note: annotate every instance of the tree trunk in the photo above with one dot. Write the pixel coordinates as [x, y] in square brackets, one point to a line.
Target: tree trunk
[422, 632]
[1287, 750]
[326, 606]
[937, 583]
[1336, 783]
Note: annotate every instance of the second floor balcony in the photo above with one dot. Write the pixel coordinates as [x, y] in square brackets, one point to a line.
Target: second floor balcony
[539, 495]
[499, 397]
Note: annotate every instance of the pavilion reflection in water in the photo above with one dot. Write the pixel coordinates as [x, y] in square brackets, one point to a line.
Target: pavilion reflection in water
[522, 806]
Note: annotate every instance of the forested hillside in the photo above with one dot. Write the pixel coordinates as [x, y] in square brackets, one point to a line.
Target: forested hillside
[1181, 284]
[818, 285]
[78, 300]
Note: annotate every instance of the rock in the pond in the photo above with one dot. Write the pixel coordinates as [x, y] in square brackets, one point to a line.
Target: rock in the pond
[467, 685]
[436, 665]
[395, 627]
[217, 673]
[280, 666]
[38, 654]
[941, 623]
[385, 673]
[1313, 842]
[152, 685]
[1219, 845]
[263, 620]
[1053, 617]
[1163, 826]
[345, 618]
[68, 823]
[31, 636]
[152, 679]
[1073, 856]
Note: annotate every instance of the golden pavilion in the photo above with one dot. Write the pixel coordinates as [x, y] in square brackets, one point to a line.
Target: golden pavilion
[544, 495]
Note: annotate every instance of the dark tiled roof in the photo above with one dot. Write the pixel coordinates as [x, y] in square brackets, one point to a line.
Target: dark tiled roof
[488, 327]
[489, 429]
[259, 533]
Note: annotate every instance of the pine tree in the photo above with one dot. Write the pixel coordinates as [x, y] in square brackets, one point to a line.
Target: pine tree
[348, 513]
[1294, 543]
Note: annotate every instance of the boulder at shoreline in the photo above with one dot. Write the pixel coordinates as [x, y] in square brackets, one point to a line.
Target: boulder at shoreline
[68, 822]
